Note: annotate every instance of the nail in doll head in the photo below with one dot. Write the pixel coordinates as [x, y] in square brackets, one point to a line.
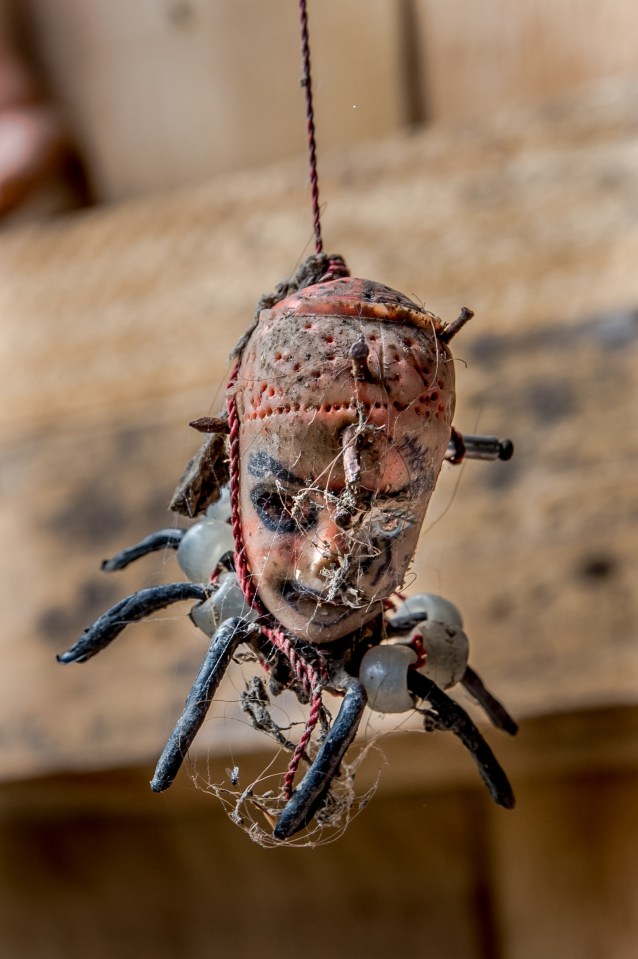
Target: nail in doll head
[345, 397]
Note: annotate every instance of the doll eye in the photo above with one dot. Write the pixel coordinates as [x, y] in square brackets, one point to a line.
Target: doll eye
[390, 523]
[281, 512]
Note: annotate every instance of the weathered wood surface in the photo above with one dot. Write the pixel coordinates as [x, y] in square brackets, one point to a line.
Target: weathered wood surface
[160, 94]
[164, 94]
[565, 871]
[476, 57]
[111, 869]
[116, 327]
[131, 885]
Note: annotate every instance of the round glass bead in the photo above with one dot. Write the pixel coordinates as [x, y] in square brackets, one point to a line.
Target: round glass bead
[202, 547]
[227, 601]
[221, 509]
[384, 676]
[446, 648]
[430, 606]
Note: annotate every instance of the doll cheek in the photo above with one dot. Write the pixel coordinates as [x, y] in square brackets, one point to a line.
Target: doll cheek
[250, 529]
[261, 544]
[388, 571]
[270, 555]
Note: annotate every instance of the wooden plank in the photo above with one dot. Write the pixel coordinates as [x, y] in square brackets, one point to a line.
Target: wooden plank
[161, 95]
[116, 330]
[477, 58]
[111, 867]
[565, 869]
[494, 217]
[549, 748]
[110, 883]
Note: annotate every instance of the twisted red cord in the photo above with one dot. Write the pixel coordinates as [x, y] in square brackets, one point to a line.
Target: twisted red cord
[241, 563]
[306, 83]
[311, 678]
[313, 719]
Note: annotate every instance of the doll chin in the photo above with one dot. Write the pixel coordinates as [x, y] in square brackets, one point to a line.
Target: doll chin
[320, 623]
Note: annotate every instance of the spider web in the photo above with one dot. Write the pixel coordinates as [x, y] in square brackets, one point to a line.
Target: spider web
[255, 808]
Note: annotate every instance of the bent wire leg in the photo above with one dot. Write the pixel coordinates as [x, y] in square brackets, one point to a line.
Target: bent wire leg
[161, 539]
[449, 715]
[494, 710]
[223, 644]
[312, 790]
[129, 610]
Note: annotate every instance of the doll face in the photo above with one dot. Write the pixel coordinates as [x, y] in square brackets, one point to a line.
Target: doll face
[324, 555]
[325, 547]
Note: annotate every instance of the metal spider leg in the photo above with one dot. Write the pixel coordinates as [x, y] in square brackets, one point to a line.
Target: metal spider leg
[161, 539]
[129, 610]
[449, 715]
[311, 791]
[494, 710]
[230, 634]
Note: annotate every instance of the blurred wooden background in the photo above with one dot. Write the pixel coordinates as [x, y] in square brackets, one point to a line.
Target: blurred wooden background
[116, 327]
[161, 93]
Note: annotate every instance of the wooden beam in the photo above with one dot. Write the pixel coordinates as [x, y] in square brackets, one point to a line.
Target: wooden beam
[117, 325]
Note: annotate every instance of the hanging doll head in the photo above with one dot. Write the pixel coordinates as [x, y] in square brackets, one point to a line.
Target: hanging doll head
[339, 412]
[343, 396]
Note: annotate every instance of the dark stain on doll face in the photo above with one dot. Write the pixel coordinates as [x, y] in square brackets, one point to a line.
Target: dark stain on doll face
[384, 567]
[415, 457]
[281, 510]
[261, 465]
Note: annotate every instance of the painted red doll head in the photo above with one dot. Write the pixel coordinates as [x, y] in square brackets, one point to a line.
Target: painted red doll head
[344, 396]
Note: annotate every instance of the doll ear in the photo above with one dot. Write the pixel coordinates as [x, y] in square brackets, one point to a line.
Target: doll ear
[203, 478]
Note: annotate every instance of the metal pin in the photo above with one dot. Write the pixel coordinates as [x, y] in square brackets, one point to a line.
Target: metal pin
[471, 447]
[359, 352]
[451, 329]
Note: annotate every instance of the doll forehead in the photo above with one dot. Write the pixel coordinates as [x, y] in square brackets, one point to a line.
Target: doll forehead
[284, 342]
[302, 365]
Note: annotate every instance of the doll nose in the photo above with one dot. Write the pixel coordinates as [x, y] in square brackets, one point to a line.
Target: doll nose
[327, 547]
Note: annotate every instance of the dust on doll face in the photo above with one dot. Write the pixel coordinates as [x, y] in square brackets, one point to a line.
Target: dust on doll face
[327, 545]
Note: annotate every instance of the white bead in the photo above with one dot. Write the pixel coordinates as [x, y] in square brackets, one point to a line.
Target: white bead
[431, 606]
[227, 601]
[221, 509]
[447, 649]
[384, 676]
[202, 547]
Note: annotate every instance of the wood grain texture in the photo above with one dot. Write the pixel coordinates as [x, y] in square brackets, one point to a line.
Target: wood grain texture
[165, 94]
[477, 58]
[130, 884]
[116, 328]
[565, 869]
[429, 867]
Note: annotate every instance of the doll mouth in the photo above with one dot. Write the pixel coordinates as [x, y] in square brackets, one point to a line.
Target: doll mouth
[313, 604]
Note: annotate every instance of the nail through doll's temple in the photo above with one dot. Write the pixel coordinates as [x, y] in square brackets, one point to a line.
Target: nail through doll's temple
[312, 486]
